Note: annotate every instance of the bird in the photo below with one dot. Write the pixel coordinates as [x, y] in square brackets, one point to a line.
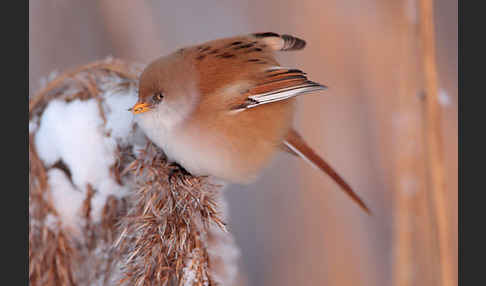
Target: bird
[225, 107]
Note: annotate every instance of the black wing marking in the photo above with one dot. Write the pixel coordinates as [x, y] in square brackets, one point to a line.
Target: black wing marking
[277, 84]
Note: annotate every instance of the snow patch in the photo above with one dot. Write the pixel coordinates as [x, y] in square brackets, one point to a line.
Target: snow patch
[33, 126]
[119, 120]
[66, 200]
[51, 221]
[74, 133]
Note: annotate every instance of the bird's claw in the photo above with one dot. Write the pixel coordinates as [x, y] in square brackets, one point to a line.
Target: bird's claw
[175, 170]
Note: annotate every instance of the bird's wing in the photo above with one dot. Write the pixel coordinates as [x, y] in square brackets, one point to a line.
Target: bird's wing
[296, 145]
[279, 83]
[248, 62]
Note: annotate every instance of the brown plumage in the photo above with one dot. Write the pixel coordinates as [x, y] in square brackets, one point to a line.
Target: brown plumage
[223, 108]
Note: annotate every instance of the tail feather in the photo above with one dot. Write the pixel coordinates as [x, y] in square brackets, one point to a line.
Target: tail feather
[281, 42]
[292, 43]
[297, 145]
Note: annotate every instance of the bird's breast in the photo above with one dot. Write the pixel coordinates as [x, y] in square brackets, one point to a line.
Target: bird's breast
[234, 148]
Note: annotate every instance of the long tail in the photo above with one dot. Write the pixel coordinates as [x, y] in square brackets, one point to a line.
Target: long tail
[296, 144]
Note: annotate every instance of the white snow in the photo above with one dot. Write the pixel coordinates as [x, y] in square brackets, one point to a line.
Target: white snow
[74, 133]
[33, 126]
[51, 221]
[66, 199]
[189, 275]
[225, 254]
[119, 119]
[222, 248]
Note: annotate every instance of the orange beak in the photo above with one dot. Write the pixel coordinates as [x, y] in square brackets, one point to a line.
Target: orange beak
[140, 108]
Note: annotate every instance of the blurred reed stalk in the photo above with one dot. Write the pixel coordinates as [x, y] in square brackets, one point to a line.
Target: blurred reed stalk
[423, 250]
[435, 150]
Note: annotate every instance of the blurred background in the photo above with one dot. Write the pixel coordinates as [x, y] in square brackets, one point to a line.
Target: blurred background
[294, 226]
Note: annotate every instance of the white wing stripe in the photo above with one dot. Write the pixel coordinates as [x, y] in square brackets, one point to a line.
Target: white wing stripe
[283, 94]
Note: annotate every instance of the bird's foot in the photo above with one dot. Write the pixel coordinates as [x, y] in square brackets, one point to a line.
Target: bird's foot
[176, 170]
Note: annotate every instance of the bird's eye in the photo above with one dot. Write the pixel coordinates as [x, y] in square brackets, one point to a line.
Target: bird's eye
[158, 97]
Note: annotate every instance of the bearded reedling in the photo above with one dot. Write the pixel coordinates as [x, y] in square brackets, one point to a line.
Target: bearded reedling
[223, 108]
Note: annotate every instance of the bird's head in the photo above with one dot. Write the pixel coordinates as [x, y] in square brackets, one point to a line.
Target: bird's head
[167, 90]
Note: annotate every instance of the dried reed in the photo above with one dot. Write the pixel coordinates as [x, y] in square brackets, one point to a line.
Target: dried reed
[55, 256]
[164, 236]
[165, 226]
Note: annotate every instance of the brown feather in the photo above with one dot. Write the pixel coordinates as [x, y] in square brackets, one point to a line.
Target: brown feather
[242, 103]
[276, 85]
[238, 59]
[223, 76]
[300, 148]
[243, 62]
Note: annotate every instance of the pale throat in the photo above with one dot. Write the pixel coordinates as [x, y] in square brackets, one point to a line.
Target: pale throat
[165, 122]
